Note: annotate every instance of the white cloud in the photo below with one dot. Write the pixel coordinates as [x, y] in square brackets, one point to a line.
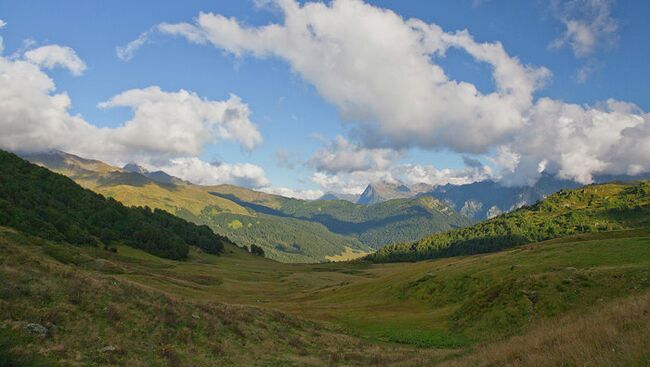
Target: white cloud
[167, 129]
[203, 173]
[430, 175]
[2, 25]
[576, 142]
[354, 181]
[589, 25]
[52, 56]
[180, 123]
[379, 70]
[343, 156]
[125, 53]
[291, 193]
[584, 72]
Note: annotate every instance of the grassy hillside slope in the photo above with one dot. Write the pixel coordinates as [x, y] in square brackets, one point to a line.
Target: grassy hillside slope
[593, 208]
[40, 202]
[285, 239]
[341, 314]
[90, 313]
[374, 225]
[282, 238]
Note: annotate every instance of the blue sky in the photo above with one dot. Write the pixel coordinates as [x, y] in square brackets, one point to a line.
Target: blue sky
[289, 110]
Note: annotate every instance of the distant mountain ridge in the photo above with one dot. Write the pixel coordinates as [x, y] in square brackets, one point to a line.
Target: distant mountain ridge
[487, 199]
[381, 191]
[158, 176]
[289, 230]
[330, 195]
[592, 208]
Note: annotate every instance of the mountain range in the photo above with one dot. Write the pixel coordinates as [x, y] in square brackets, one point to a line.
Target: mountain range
[293, 230]
[288, 230]
[478, 200]
[593, 208]
[166, 292]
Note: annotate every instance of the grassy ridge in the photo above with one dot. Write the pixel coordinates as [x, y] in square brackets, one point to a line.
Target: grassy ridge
[594, 208]
[285, 239]
[374, 225]
[282, 238]
[40, 202]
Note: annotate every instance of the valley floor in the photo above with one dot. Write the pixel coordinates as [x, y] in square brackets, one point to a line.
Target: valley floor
[578, 301]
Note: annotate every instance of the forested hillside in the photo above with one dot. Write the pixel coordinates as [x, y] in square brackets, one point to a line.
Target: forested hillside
[42, 203]
[593, 208]
[375, 225]
[379, 224]
[289, 230]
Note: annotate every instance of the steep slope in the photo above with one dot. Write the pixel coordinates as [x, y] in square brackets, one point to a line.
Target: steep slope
[40, 202]
[381, 191]
[592, 208]
[131, 188]
[282, 238]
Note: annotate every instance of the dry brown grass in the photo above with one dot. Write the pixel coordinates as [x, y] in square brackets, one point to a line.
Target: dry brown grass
[614, 334]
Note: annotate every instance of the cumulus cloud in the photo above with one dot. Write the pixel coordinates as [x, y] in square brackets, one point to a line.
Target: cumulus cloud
[292, 193]
[52, 56]
[352, 183]
[167, 130]
[589, 25]
[287, 159]
[380, 71]
[204, 173]
[584, 72]
[343, 156]
[181, 123]
[576, 142]
[472, 172]
[348, 168]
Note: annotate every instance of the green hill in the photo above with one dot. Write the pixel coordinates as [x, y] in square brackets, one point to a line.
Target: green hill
[586, 296]
[375, 225]
[40, 202]
[594, 208]
[282, 238]
[289, 230]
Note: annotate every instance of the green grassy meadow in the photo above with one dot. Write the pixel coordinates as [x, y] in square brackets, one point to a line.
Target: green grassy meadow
[437, 310]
